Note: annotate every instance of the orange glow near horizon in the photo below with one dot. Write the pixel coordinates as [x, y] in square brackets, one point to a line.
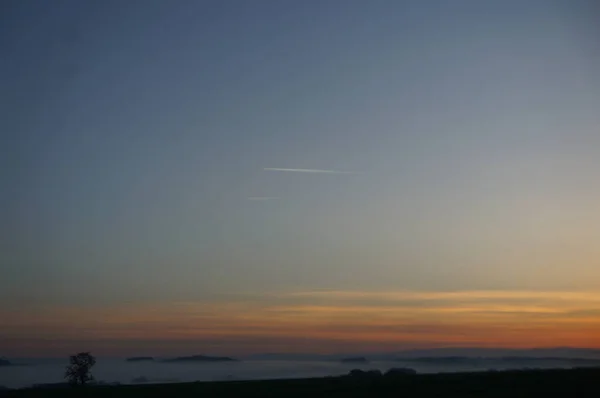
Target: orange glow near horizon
[317, 322]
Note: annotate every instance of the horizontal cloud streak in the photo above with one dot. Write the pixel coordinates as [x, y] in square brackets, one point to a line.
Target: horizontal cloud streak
[448, 295]
[315, 171]
[263, 198]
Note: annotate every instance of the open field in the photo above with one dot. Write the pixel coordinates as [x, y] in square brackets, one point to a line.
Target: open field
[528, 383]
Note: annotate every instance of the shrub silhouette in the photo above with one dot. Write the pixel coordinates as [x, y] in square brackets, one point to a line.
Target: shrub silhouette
[398, 372]
[369, 374]
[78, 370]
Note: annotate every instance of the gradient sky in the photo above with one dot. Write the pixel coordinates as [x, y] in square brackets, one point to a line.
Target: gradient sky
[317, 175]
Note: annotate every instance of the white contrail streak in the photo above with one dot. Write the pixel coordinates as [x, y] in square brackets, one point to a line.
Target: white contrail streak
[263, 198]
[316, 171]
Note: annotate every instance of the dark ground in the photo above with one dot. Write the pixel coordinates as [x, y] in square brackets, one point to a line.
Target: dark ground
[531, 383]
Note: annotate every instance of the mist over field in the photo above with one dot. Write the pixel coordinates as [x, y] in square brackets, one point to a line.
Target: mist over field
[28, 372]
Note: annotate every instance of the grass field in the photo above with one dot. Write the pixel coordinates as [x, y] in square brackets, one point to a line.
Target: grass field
[531, 383]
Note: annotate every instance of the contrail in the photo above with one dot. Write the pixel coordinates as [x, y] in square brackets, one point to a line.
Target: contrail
[263, 198]
[315, 171]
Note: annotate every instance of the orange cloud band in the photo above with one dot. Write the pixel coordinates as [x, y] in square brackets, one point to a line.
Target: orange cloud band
[365, 319]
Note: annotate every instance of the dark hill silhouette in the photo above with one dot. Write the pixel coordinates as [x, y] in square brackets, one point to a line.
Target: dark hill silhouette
[139, 359]
[4, 362]
[440, 360]
[355, 360]
[509, 360]
[472, 352]
[200, 358]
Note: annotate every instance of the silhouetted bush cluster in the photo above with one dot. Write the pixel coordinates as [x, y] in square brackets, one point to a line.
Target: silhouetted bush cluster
[396, 372]
[365, 374]
[376, 373]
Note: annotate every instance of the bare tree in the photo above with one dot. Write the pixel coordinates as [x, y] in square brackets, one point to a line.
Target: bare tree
[78, 370]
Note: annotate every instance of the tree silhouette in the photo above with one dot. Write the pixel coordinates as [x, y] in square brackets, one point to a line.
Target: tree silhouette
[78, 370]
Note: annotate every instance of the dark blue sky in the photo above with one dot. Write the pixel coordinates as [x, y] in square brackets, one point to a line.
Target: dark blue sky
[135, 134]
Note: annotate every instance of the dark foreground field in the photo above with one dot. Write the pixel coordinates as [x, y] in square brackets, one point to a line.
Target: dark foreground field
[534, 383]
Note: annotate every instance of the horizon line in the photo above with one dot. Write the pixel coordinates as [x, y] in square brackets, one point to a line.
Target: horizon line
[399, 351]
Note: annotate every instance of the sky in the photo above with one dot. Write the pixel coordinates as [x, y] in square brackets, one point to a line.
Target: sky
[237, 177]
